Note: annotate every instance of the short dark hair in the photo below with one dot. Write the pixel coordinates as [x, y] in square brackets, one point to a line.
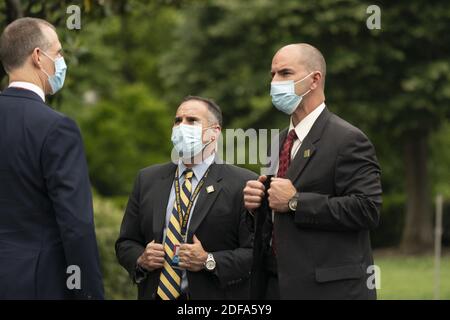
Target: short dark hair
[213, 107]
[19, 39]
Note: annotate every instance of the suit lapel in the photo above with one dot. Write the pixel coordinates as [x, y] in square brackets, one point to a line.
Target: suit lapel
[160, 205]
[301, 159]
[308, 147]
[205, 200]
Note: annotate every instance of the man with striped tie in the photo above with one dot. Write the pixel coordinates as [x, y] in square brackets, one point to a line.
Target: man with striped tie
[184, 233]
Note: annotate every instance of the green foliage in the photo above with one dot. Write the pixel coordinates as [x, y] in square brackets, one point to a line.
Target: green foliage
[397, 76]
[55, 11]
[113, 71]
[133, 61]
[108, 218]
[124, 134]
[440, 160]
[389, 231]
[392, 83]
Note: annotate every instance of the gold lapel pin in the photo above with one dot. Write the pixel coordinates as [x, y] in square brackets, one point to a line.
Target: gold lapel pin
[210, 189]
[307, 153]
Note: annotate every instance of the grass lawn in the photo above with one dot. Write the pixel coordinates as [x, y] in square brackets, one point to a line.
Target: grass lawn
[411, 277]
[402, 277]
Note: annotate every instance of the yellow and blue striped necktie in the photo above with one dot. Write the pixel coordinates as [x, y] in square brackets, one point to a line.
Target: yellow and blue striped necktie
[169, 287]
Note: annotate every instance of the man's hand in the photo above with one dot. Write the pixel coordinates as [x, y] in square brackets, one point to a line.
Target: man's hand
[192, 256]
[254, 193]
[153, 257]
[280, 192]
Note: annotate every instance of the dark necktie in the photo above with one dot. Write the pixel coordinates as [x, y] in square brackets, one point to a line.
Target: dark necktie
[285, 153]
[283, 165]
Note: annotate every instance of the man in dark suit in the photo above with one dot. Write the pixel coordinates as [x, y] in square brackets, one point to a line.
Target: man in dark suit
[312, 235]
[48, 248]
[206, 251]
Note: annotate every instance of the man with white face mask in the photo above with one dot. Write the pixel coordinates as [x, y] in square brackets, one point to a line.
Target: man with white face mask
[46, 217]
[184, 232]
[312, 238]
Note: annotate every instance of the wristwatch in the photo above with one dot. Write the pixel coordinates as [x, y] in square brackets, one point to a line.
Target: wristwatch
[293, 202]
[210, 263]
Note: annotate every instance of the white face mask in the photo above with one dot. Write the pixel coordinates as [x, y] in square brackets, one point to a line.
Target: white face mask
[56, 81]
[284, 97]
[187, 140]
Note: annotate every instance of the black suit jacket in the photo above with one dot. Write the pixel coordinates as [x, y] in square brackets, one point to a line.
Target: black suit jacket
[46, 218]
[218, 221]
[323, 249]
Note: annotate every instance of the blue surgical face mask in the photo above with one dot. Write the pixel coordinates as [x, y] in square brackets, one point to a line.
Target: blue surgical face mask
[284, 97]
[56, 81]
[187, 140]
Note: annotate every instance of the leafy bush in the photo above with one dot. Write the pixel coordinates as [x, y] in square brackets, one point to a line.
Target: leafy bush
[123, 135]
[108, 218]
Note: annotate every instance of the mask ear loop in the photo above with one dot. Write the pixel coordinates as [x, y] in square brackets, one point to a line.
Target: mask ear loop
[306, 93]
[209, 142]
[39, 78]
[42, 69]
[302, 80]
[212, 140]
[304, 77]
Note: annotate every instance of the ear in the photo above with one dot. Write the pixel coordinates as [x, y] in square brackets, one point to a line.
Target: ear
[317, 77]
[217, 131]
[36, 57]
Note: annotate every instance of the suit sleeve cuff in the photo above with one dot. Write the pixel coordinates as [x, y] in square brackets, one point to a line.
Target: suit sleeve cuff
[308, 208]
[140, 274]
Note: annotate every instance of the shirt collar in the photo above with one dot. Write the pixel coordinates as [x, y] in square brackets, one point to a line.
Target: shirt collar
[28, 86]
[198, 169]
[302, 129]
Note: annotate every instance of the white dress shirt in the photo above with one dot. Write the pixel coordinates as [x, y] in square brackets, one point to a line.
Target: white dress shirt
[302, 129]
[199, 171]
[28, 86]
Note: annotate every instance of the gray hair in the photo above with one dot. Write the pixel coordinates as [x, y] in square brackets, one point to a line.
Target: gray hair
[19, 39]
[215, 113]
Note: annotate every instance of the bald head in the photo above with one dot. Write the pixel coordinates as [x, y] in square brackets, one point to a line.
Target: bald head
[307, 56]
[305, 66]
